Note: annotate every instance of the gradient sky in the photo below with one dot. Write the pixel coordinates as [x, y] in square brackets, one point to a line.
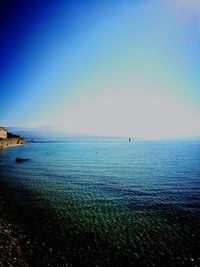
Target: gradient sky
[114, 67]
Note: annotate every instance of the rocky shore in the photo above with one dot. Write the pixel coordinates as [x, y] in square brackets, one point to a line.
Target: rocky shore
[12, 142]
[12, 250]
[29, 237]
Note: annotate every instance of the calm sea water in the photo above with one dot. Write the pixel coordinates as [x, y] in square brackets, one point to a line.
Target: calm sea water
[138, 201]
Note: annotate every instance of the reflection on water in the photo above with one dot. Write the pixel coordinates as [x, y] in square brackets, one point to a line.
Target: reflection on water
[135, 202]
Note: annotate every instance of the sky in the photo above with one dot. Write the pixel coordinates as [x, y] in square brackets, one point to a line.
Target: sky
[109, 67]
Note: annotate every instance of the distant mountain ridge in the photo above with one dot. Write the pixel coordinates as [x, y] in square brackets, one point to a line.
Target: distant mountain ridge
[56, 133]
[49, 133]
[39, 133]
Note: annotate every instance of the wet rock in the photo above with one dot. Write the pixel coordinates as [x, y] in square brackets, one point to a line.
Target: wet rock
[20, 159]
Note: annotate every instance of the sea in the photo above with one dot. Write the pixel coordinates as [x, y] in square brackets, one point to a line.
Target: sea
[108, 202]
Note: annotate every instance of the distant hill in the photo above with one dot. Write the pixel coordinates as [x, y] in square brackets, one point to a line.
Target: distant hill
[47, 133]
[38, 133]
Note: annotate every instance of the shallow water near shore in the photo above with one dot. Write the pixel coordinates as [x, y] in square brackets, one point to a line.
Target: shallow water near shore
[114, 202]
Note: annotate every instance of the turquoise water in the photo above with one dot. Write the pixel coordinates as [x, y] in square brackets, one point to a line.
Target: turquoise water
[138, 202]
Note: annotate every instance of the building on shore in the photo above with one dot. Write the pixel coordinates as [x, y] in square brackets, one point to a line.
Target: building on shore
[3, 133]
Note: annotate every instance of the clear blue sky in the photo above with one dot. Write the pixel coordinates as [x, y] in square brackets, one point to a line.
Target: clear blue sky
[102, 67]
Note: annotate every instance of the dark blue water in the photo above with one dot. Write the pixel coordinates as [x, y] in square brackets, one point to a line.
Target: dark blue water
[141, 198]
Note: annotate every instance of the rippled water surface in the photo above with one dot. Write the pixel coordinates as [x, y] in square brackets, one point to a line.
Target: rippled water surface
[140, 201]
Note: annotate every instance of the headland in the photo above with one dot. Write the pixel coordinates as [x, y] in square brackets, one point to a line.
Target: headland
[8, 139]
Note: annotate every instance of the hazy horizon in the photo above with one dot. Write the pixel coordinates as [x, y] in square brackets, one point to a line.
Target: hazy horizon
[102, 68]
[50, 132]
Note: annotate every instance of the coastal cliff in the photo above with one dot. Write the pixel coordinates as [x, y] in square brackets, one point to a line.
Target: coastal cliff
[10, 142]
